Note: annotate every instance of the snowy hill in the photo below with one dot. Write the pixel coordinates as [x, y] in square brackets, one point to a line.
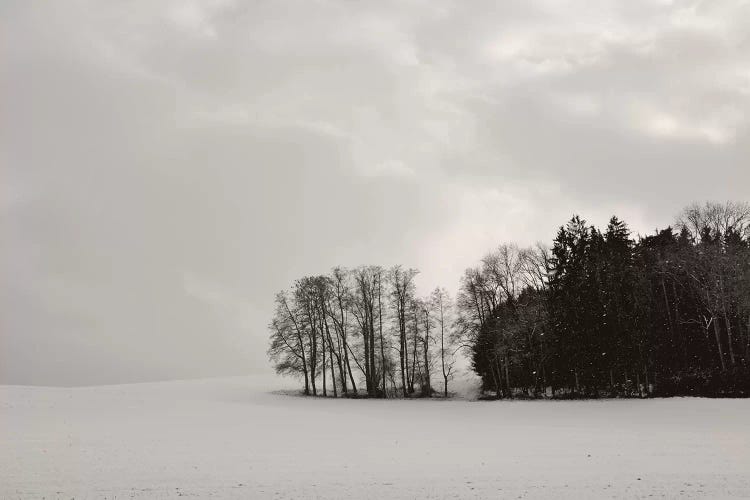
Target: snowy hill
[235, 438]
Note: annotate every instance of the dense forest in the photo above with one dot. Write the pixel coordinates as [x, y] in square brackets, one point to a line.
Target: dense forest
[598, 314]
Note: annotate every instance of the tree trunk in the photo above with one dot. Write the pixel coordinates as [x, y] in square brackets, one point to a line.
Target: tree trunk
[304, 360]
[301, 346]
[402, 352]
[337, 351]
[414, 356]
[304, 366]
[359, 365]
[507, 377]
[730, 339]
[442, 350]
[342, 373]
[496, 379]
[380, 327]
[351, 375]
[717, 335]
[366, 341]
[638, 383]
[345, 346]
[323, 350]
[333, 368]
[373, 372]
[314, 361]
[726, 319]
[427, 389]
[312, 379]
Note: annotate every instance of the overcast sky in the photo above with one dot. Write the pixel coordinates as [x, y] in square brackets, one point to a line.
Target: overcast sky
[168, 166]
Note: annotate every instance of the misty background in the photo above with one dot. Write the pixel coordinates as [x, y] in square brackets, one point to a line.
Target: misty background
[166, 167]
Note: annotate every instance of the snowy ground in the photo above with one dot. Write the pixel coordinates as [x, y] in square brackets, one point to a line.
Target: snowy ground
[230, 438]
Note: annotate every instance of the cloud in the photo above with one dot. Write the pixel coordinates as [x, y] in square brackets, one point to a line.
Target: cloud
[189, 17]
[717, 128]
[391, 168]
[171, 165]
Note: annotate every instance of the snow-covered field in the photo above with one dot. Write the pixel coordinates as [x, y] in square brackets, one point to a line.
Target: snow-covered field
[231, 438]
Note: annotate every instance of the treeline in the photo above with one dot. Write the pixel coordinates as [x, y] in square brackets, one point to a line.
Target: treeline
[367, 324]
[606, 315]
[599, 313]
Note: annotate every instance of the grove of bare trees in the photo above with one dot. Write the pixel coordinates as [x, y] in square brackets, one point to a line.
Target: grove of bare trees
[598, 313]
[364, 325]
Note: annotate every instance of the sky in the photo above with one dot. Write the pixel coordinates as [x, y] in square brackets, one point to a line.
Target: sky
[168, 166]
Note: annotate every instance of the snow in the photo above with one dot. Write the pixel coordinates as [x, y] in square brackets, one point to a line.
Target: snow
[232, 438]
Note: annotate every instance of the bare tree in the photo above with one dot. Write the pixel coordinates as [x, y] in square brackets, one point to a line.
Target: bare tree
[415, 367]
[339, 314]
[535, 266]
[402, 290]
[502, 269]
[287, 348]
[715, 269]
[719, 218]
[365, 302]
[440, 307]
[305, 315]
[426, 340]
[383, 365]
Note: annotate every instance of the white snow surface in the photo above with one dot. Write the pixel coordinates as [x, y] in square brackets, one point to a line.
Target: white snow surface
[235, 438]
